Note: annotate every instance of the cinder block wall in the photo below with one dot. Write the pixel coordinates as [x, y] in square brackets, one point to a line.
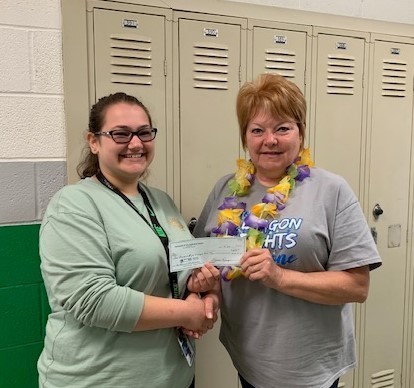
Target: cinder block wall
[32, 169]
[24, 306]
[33, 158]
[32, 146]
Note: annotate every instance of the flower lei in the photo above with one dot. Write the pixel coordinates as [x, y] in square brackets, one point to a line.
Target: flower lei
[232, 213]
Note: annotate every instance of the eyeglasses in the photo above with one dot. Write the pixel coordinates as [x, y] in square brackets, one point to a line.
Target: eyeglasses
[123, 136]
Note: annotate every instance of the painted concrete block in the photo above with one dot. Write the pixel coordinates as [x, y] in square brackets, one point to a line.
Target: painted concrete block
[19, 255]
[50, 177]
[14, 60]
[18, 304]
[17, 192]
[47, 62]
[18, 366]
[35, 13]
[36, 126]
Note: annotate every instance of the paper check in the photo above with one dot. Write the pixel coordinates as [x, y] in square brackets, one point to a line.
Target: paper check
[220, 251]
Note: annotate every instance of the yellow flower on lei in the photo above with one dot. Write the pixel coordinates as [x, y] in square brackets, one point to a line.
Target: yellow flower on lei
[245, 166]
[233, 273]
[283, 188]
[264, 210]
[232, 215]
[240, 184]
[305, 157]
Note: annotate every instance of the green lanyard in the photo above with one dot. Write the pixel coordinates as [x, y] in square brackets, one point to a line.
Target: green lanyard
[155, 226]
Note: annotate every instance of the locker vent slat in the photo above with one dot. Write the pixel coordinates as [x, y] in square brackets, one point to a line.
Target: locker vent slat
[280, 61]
[131, 59]
[383, 379]
[210, 66]
[394, 78]
[340, 78]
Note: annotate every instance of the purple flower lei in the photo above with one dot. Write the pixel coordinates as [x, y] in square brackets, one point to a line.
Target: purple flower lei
[232, 213]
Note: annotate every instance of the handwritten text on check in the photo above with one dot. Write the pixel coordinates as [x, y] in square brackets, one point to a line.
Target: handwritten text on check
[220, 251]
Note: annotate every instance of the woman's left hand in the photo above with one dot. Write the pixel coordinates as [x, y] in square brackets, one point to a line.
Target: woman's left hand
[211, 305]
[323, 287]
[258, 264]
[204, 279]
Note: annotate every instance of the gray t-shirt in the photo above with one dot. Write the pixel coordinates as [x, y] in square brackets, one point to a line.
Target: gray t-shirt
[276, 340]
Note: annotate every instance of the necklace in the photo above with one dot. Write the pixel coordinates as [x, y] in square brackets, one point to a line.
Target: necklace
[232, 213]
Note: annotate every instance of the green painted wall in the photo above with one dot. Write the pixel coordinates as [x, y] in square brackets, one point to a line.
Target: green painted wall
[23, 306]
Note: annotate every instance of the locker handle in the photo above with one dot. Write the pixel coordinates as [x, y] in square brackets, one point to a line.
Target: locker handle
[191, 224]
[377, 211]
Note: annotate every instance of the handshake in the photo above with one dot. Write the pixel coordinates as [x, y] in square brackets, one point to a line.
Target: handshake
[203, 301]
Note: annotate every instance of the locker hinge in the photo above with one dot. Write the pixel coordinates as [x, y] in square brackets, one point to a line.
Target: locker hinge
[240, 74]
[165, 67]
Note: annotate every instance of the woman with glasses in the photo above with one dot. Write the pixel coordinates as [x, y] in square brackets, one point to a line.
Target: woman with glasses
[286, 310]
[104, 260]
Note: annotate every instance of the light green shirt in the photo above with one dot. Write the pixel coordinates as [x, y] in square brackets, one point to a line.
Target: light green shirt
[98, 260]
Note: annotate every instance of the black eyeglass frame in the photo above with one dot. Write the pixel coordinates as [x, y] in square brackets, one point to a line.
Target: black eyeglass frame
[131, 134]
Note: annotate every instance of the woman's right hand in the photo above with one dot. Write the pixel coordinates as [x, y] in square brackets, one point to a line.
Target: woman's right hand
[190, 313]
[198, 323]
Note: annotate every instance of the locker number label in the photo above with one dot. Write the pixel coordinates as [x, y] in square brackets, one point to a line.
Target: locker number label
[130, 23]
[210, 32]
[279, 39]
[341, 45]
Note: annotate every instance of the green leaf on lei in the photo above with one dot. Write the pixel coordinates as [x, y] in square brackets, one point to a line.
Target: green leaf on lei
[293, 170]
[254, 239]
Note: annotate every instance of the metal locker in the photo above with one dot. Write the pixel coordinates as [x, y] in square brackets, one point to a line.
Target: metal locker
[280, 51]
[130, 56]
[391, 102]
[209, 79]
[338, 116]
[211, 71]
[283, 49]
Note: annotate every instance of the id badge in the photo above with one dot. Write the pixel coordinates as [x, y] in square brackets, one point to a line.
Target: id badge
[186, 347]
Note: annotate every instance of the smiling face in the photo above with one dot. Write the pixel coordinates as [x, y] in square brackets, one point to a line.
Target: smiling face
[273, 145]
[123, 164]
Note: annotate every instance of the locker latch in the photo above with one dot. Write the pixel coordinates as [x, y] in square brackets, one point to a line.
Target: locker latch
[374, 234]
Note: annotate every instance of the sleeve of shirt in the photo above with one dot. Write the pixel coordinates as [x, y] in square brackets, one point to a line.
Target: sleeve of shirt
[200, 228]
[205, 222]
[352, 242]
[79, 273]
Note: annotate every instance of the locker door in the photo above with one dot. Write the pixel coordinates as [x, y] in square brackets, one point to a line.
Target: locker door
[129, 56]
[392, 103]
[280, 51]
[209, 82]
[209, 79]
[338, 105]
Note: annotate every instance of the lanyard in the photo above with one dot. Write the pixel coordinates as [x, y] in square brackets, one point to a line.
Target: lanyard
[155, 226]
